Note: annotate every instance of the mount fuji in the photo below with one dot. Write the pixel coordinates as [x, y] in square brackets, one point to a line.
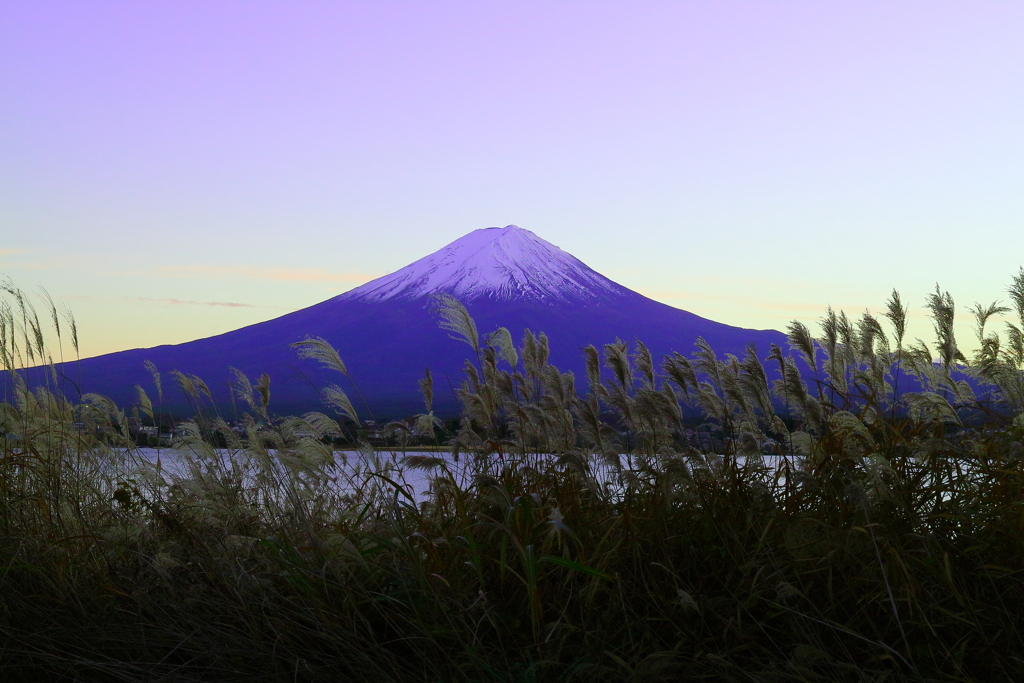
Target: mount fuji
[387, 331]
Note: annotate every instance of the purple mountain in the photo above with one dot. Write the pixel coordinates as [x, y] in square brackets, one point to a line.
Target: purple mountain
[387, 330]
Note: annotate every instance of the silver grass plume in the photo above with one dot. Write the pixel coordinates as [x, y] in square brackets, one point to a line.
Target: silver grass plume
[986, 358]
[871, 334]
[455, 318]
[928, 406]
[472, 377]
[670, 403]
[919, 351]
[53, 311]
[8, 286]
[794, 389]
[231, 438]
[660, 407]
[942, 312]
[616, 359]
[617, 395]
[144, 403]
[835, 367]
[335, 397]
[33, 330]
[851, 431]
[5, 361]
[37, 334]
[775, 354]
[424, 425]
[873, 355]
[754, 382]
[982, 314]
[107, 412]
[799, 337]
[594, 431]
[423, 462]
[242, 387]
[848, 338]
[593, 361]
[186, 384]
[263, 388]
[559, 387]
[680, 370]
[70, 318]
[712, 403]
[317, 348]
[322, 426]
[704, 360]
[1014, 353]
[30, 354]
[896, 312]
[531, 364]
[149, 365]
[920, 358]
[1016, 292]
[501, 340]
[201, 386]
[427, 388]
[731, 388]
[644, 364]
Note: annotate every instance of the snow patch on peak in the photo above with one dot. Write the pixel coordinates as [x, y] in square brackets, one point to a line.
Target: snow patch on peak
[507, 263]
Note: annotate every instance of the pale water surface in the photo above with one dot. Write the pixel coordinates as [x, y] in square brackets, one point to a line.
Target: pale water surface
[354, 469]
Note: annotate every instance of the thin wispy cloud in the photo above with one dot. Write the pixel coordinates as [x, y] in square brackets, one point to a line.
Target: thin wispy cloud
[269, 273]
[182, 302]
[168, 302]
[65, 262]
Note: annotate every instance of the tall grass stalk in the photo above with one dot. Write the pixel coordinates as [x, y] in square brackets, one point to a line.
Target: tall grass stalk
[591, 532]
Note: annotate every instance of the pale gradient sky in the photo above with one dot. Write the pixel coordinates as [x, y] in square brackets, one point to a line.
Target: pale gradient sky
[180, 169]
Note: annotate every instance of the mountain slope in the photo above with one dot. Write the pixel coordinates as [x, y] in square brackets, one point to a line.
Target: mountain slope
[386, 330]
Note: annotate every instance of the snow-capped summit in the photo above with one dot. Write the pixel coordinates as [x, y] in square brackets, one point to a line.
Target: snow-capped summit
[507, 263]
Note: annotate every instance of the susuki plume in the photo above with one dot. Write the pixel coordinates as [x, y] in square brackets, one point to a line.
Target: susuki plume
[1016, 292]
[942, 312]
[144, 403]
[317, 348]
[501, 340]
[800, 339]
[242, 387]
[335, 397]
[455, 318]
[427, 388]
[896, 312]
[151, 367]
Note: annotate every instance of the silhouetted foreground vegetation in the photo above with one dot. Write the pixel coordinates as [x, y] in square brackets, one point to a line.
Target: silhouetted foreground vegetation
[566, 538]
